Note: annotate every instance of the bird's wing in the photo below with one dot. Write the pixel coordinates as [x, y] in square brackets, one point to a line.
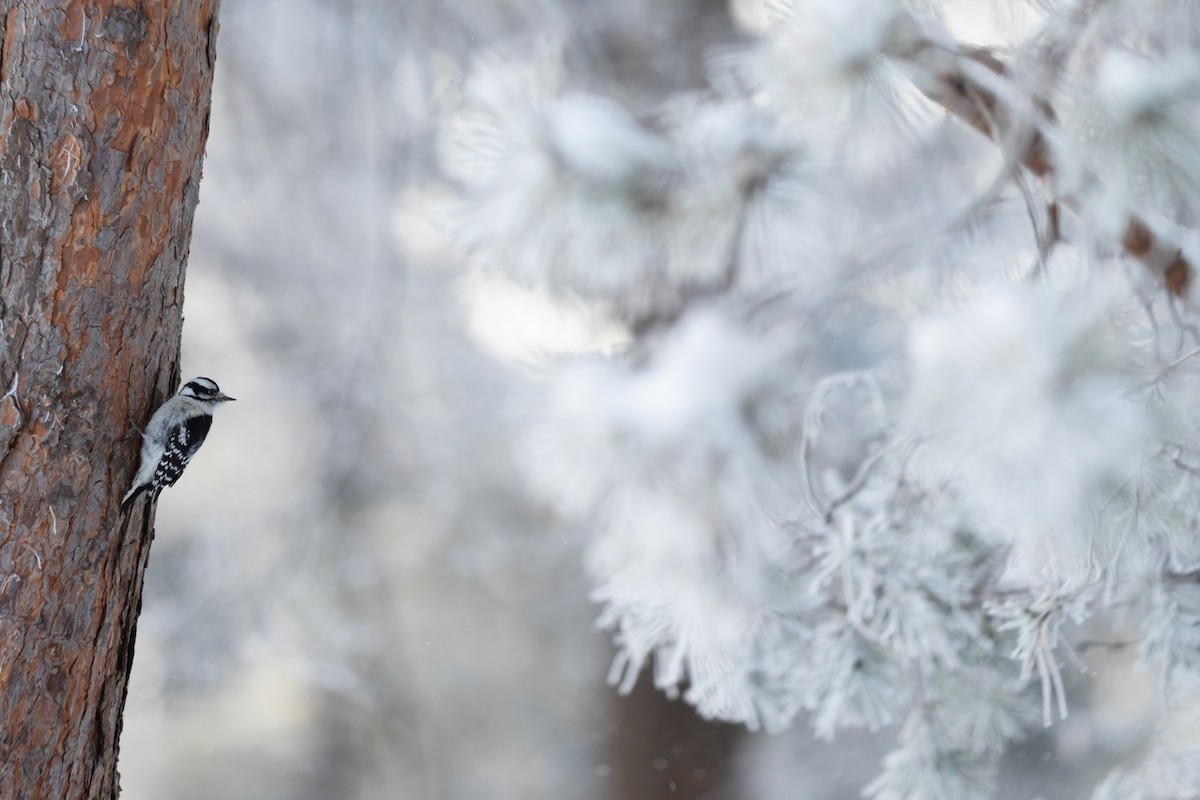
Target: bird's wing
[183, 441]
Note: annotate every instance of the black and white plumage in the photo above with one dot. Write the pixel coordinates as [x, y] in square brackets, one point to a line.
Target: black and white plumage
[173, 435]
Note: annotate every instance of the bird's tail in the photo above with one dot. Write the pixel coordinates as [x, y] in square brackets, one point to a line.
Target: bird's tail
[131, 496]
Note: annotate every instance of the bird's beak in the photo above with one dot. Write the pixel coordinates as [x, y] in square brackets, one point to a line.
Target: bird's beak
[221, 397]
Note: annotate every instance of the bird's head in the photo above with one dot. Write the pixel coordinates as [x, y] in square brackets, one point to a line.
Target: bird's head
[205, 390]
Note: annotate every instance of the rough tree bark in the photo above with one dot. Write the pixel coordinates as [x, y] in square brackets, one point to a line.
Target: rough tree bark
[103, 119]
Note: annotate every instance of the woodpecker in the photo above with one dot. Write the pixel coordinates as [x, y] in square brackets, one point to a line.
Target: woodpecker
[173, 435]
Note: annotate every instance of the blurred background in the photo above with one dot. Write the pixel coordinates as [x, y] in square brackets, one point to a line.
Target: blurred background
[351, 596]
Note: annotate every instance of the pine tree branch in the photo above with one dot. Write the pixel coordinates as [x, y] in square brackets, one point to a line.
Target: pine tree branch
[966, 80]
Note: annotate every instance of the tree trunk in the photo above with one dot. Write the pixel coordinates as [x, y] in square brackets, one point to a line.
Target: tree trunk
[103, 118]
[663, 748]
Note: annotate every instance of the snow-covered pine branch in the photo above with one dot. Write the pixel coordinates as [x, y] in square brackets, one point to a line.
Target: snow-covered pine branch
[897, 413]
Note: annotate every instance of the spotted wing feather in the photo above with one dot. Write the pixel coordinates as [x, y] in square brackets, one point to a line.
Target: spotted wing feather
[182, 443]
